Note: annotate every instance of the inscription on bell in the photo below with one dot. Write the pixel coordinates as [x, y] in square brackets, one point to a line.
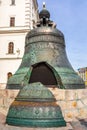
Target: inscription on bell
[46, 38]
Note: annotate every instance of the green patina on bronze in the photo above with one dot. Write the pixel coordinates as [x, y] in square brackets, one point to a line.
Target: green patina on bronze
[44, 65]
[35, 106]
[46, 44]
[35, 92]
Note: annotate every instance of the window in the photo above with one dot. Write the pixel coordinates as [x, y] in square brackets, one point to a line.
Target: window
[11, 48]
[33, 22]
[0, 2]
[12, 2]
[9, 74]
[12, 21]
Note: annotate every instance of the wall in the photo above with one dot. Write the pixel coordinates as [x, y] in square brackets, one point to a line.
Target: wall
[73, 103]
[23, 11]
[7, 10]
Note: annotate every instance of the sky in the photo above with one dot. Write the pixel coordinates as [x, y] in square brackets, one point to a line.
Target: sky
[71, 18]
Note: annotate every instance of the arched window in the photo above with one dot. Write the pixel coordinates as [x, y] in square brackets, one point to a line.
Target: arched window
[11, 48]
[9, 75]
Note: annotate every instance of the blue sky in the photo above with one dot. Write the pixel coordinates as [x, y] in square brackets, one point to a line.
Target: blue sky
[71, 18]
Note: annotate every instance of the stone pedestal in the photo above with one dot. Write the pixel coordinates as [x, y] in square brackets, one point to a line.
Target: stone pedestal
[73, 104]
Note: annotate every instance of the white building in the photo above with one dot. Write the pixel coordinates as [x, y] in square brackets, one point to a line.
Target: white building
[17, 17]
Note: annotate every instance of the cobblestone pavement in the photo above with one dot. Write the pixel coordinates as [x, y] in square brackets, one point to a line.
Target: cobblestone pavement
[76, 124]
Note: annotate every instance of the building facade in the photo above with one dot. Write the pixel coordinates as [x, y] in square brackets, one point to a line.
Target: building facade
[17, 17]
[83, 74]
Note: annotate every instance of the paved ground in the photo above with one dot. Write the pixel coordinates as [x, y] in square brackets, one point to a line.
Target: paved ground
[80, 124]
[77, 124]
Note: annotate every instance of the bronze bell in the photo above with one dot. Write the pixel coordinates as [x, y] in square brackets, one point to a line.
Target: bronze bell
[45, 58]
[35, 106]
[44, 65]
